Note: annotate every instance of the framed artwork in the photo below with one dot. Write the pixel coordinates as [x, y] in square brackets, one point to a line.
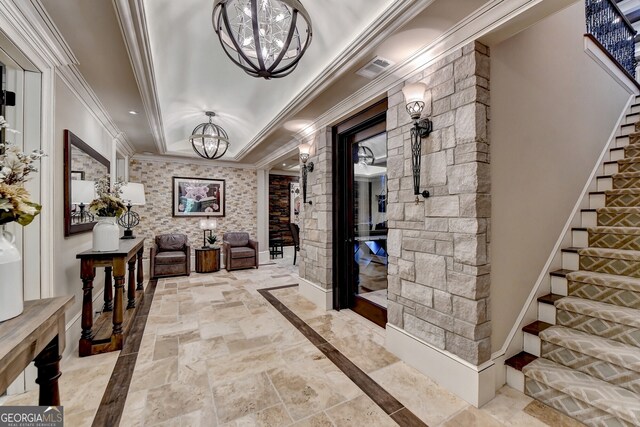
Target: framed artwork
[294, 202]
[77, 175]
[198, 197]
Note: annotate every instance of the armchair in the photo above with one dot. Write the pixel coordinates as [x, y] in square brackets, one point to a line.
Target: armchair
[170, 256]
[239, 251]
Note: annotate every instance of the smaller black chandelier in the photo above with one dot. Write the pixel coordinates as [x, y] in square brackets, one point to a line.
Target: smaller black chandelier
[365, 156]
[414, 97]
[266, 38]
[209, 140]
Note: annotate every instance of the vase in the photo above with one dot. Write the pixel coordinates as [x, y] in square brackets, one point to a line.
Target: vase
[11, 294]
[106, 234]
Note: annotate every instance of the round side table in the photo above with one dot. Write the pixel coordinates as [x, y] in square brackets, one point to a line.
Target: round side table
[207, 260]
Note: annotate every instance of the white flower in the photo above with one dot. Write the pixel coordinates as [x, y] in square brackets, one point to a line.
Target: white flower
[13, 164]
[3, 122]
[5, 205]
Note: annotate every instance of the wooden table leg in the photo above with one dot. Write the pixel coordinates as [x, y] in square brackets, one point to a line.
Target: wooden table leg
[108, 290]
[140, 270]
[118, 313]
[87, 273]
[48, 364]
[132, 283]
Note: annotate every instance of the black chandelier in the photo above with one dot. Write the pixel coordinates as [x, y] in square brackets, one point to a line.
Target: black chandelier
[266, 38]
[365, 156]
[209, 140]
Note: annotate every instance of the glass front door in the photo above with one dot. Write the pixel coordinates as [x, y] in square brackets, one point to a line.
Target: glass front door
[370, 219]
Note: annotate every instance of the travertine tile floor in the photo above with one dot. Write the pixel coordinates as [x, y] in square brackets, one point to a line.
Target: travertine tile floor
[216, 353]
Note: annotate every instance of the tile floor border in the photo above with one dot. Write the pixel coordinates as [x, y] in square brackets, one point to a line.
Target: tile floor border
[115, 395]
[389, 404]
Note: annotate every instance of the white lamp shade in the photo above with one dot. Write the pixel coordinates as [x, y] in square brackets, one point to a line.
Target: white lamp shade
[305, 149]
[414, 92]
[82, 191]
[133, 193]
[208, 224]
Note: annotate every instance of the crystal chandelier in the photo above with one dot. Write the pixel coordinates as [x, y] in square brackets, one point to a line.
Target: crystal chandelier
[266, 38]
[209, 140]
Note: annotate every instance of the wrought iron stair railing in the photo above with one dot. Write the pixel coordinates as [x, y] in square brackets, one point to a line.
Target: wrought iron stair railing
[607, 23]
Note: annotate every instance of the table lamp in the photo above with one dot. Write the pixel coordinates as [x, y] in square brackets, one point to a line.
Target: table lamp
[82, 193]
[207, 225]
[132, 195]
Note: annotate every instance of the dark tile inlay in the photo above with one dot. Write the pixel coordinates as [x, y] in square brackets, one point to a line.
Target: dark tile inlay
[379, 395]
[115, 395]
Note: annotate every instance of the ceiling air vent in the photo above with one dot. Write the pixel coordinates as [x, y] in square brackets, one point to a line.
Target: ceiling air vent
[374, 67]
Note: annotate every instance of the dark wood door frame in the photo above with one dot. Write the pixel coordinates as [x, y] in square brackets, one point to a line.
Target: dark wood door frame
[367, 123]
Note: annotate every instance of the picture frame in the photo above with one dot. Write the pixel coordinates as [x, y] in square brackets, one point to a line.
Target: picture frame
[294, 202]
[197, 197]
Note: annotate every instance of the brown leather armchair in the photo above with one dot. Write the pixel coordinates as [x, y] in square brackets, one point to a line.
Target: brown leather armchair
[239, 251]
[170, 256]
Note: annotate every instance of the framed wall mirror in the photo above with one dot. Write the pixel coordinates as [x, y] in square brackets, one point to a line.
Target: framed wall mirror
[83, 166]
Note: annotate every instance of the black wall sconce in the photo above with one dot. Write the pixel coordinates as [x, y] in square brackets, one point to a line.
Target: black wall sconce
[414, 97]
[304, 156]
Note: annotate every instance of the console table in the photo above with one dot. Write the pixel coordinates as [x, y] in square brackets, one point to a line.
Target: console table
[110, 329]
[37, 334]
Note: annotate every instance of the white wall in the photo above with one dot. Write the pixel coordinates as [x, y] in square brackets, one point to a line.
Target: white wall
[70, 113]
[552, 111]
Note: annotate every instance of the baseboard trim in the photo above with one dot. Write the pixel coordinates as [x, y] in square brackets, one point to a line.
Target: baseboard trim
[321, 297]
[475, 384]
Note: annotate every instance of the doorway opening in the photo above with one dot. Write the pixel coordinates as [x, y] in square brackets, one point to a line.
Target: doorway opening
[360, 218]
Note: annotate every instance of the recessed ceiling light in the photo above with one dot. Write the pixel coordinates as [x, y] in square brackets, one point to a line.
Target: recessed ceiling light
[284, 164]
[133, 112]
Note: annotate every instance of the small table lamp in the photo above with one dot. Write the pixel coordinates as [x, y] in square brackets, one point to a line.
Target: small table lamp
[207, 225]
[132, 195]
[82, 193]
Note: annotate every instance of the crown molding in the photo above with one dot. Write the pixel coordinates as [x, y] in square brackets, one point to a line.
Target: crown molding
[133, 25]
[479, 23]
[396, 15]
[123, 147]
[190, 160]
[36, 25]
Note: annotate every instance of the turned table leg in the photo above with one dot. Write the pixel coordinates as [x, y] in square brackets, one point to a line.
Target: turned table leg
[132, 283]
[118, 312]
[140, 270]
[108, 290]
[87, 273]
[48, 364]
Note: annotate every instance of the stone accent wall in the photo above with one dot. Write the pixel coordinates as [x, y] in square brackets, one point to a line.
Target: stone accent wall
[82, 162]
[439, 248]
[156, 216]
[280, 205]
[316, 262]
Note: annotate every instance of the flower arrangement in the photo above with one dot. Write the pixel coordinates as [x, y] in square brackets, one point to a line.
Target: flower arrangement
[15, 168]
[108, 202]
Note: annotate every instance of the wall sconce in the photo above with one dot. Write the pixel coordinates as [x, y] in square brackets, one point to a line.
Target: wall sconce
[414, 97]
[304, 156]
[207, 225]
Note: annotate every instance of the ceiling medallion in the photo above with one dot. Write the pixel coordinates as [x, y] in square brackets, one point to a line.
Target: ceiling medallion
[266, 38]
[209, 140]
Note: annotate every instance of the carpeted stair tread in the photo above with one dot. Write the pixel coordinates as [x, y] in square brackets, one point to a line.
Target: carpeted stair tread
[614, 352]
[614, 230]
[618, 209]
[629, 160]
[620, 191]
[604, 279]
[617, 401]
[601, 310]
[626, 174]
[622, 254]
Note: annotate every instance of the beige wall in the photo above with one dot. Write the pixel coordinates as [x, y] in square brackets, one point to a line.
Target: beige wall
[71, 114]
[553, 109]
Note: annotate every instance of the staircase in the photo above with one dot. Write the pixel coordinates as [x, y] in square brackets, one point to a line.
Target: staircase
[582, 355]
